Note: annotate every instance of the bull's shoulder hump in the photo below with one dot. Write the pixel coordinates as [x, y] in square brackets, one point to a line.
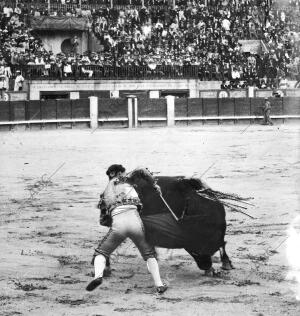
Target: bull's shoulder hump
[170, 178]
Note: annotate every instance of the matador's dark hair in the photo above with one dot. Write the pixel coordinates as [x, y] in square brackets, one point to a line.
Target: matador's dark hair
[115, 168]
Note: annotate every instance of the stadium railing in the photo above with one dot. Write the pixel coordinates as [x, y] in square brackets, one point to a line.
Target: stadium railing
[96, 72]
[38, 72]
[89, 5]
[96, 4]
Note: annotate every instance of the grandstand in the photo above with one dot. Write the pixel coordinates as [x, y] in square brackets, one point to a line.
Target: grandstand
[111, 48]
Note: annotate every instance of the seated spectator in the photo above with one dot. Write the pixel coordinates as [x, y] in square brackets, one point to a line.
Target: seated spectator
[227, 85]
[89, 72]
[283, 83]
[67, 68]
[263, 84]
[3, 84]
[47, 67]
[235, 75]
[223, 85]
[241, 84]
[190, 35]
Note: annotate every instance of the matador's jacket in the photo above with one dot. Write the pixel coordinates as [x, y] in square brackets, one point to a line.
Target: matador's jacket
[120, 191]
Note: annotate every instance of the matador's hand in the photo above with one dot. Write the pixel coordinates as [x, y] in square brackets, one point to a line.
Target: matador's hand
[157, 189]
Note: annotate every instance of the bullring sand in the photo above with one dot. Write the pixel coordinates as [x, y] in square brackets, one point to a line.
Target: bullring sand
[50, 181]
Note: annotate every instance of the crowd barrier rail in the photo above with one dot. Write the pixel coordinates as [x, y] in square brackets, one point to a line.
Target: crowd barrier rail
[95, 4]
[92, 72]
[57, 6]
[133, 112]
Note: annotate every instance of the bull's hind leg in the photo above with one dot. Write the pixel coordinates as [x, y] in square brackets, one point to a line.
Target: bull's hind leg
[226, 262]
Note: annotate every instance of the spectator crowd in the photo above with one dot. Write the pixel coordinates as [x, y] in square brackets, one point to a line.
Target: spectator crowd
[191, 39]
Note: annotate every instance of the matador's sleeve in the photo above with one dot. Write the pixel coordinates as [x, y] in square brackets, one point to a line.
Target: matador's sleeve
[101, 203]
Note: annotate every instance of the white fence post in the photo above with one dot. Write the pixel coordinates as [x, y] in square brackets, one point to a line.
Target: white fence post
[170, 110]
[94, 112]
[135, 116]
[251, 92]
[130, 113]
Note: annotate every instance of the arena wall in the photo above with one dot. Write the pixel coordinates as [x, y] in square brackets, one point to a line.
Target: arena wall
[135, 112]
[193, 88]
[192, 85]
[50, 113]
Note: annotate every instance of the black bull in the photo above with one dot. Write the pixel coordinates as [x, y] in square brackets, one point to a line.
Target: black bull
[201, 227]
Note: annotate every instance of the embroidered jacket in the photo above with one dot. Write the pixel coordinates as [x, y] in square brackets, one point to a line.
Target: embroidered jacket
[118, 192]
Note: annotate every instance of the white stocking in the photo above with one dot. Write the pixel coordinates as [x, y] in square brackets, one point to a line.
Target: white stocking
[153, 268]
[99, 264]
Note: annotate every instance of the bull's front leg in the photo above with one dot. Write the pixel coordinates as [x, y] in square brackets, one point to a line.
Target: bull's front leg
[212, 272]
[204, 262]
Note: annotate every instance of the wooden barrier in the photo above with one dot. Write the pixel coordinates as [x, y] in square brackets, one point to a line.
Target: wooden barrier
[181, 107]
[5, 111]
[242, 107]
[132, 112]
[226, 107]
[210, 107]
[234, 110]
[195, 107]
[112, 112]
[152, 112]
[46, 112]
[291, 106]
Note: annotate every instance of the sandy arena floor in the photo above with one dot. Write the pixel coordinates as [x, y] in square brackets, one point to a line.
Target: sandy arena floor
[47, 235]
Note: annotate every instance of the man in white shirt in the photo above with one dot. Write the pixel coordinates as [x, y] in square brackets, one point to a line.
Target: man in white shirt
[7, 11]
[146, 29]
[19, 81]
[235, 74]
[181, 16]
[226, 24]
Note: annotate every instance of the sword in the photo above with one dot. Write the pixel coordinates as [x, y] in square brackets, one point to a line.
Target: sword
[168, 207]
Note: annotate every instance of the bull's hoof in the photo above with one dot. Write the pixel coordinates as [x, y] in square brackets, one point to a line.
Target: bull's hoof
[227, 265]
[213, 273]
[210, 272]
[107, 272]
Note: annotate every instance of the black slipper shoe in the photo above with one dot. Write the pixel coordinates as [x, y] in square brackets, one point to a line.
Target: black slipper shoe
[95, 283]
[161, 289]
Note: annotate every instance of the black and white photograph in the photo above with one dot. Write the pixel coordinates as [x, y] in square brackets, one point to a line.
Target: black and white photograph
[150, 157]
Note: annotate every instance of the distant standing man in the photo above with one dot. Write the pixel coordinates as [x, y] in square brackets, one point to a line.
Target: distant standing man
[267, 111]
[75, 44]
[19, 81]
